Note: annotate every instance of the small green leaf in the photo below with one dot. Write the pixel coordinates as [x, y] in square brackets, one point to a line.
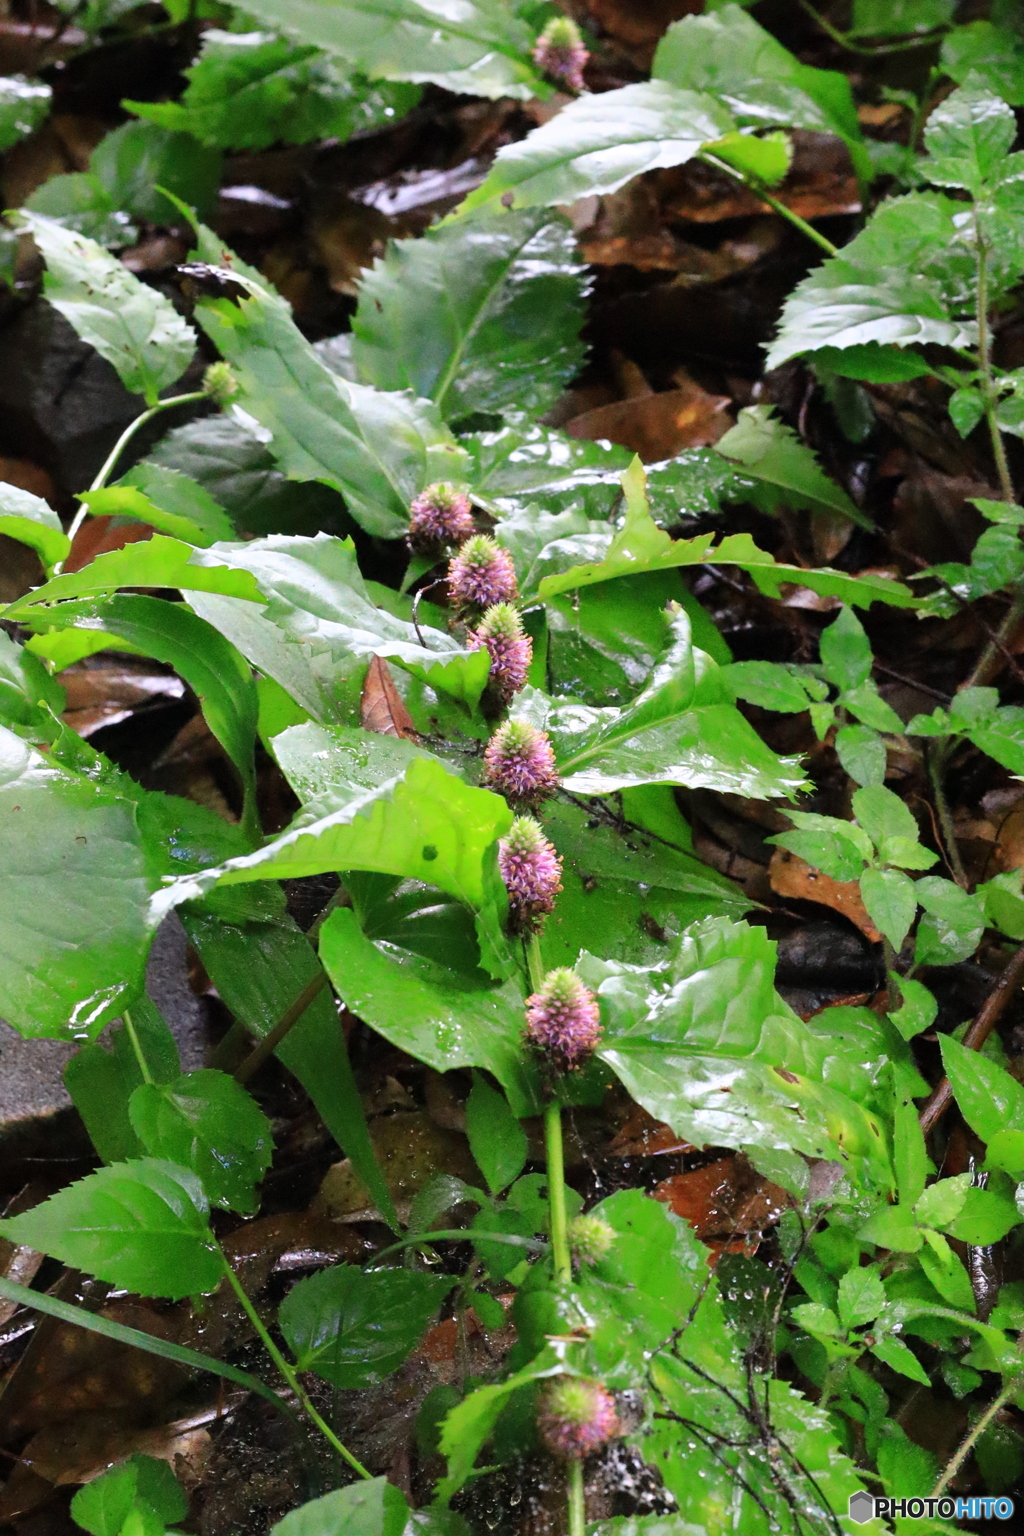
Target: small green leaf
[990, 1099]
[910, 1156]
[899, 1357]
[893, 1227]
[918, 1009]
[140, 1485]
[496, 1138]
[23, 106]
[946, 1272]
[353, 1326]
[883, 814]
[862, 753]
[168, 500]
[966, 408]
[846, 651]
[207, 1122]
[987, 1216]
[131, 325]
[815, 1318]
[765, 160]
[942, 1201]
[137, 162]
[952, 926]
[861, 1297]
[891, 900]
[32, 521]
[786, 471]
[141, 1225]
[101, 1082]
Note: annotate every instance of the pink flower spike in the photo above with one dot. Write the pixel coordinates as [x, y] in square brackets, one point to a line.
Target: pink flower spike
[501, 632]
[576, 1417]
[563, 1020]
[519, 763]
[560, 52]
[532, 872]
[481, 575]
[440, 519]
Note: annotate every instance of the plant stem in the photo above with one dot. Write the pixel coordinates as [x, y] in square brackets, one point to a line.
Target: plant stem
[773, 203]
[880, 49]
[972, 1437]
[936, 765]
[989, 390]
[115, 453]
[535, 962]
[289, 1373]
[140, 1057]
[556, 1190]
[291, 1016]
[577, 1504]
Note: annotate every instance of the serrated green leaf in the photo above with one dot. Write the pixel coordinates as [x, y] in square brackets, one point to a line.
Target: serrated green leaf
[142, 1225]
[785, 469]
[479, 315]
[132, 326]
[354, 1326]
[991, 53]
[952, 925]
[598, 143]
[861, 1297]
[968, 137]
[480, 49]
[900, 1357]
[23, 106]
[141, 1485]
[942, 1202]
[207, 1122]
[248, 90]
[166, 499]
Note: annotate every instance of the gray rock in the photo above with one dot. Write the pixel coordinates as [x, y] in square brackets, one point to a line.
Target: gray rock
[36, 1115]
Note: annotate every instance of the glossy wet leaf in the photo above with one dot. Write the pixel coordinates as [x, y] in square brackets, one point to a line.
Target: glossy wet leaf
[379, 449]
[479, 50]
[207, 1122]
[952, 924]
[249, 90]
[76, 889]
[990, 1099]
[142, 1225]
[785, 469]
[132, 326]
[354, 1326]
[140, 1485]
[476, 316]
[496, 1138]
[32, 521]
[373, 1507]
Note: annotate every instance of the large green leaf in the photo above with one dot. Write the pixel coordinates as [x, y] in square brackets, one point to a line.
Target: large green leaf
[207, 1122]
[32, 521]
[476, 316]
[890, 285]
[785, 470]
[169, 632]
[442, 1017]
[166, 499]
[701, 1043]
[729, 56]
[597, 143]
[142, 1225]
[990, 1099]
[354, 1326]
[640, 545]
[76, 888]
[248, 90]
[379, 449]
[475, 48]
[131, 325]
[156, 562]
[23, 105]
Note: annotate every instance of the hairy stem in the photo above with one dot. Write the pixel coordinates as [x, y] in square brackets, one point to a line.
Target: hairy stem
[936, 766]
[773, 203]
[110, 463]
[289, 1373]
[973, 1435]
[577, 1504]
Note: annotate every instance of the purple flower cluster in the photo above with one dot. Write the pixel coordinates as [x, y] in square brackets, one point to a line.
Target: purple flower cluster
[563, 1020]
[532, 872]
[576, 1417]
[501, 633]
[519, 763]
[440, 519]
[559, 51]
[481, 575]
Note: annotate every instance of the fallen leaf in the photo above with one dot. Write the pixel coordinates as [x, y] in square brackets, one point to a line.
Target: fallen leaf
[82, 1450]
[98, 535]
[658, 426]
[726, 1199]
[411, 1149]
[820, 183]
[643, 1136]
[382, 708]
[107, 690]
[793, 876]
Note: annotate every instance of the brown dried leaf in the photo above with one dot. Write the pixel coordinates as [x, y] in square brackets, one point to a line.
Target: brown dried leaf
[382, 708]
[793, 876]
[658, 426]
[97, 537]
[89, 1445]
[724, 1200]
[643, 1136]
[108, 689]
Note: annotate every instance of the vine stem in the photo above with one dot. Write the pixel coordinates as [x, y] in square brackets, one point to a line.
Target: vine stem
[773, 203]
[969, 1441]
[115, 453]
[289, 1373]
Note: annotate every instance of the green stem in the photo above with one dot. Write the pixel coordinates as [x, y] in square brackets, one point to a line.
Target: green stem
[845, 41]
[110, 462]
[289, 1373]
[535, 962]
[936, 764]
[577, 1504]
[130, 1031]
[969, 1441]
[773, 202]
[556, 1190]
[985, 368]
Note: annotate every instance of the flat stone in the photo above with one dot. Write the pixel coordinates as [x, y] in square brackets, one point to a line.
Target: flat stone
[36, 1114]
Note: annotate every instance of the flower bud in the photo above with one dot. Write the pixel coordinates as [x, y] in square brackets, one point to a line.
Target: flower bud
[520, 764]
[576, 1417]
[501, 633]
[220, 383]
[559, 51]
[563, 1020]
[591, 1239]
[481, 575]
[532, 872]
[440, 519]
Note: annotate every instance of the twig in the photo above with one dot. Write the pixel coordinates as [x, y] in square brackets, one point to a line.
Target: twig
[936, 766]
[978, 1032]
[974, 1434]
[291, 1016]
